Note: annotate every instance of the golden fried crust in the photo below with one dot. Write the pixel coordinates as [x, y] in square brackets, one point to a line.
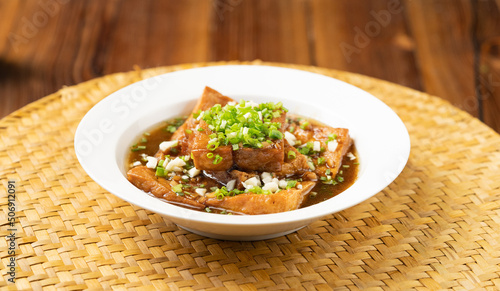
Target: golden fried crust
[145, 179]
[208, 99]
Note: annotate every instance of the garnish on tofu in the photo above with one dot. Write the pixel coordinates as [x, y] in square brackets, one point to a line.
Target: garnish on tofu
[243, 157]
[245, 124]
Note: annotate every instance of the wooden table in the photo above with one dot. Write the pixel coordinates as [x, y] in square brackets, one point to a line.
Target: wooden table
[446, 48]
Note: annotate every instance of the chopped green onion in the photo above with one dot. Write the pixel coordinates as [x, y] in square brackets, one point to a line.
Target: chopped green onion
[321, 160]
[138, 148]
[171, 128]
[291, 184]
[291, 129]
[144, 140]
[328, 171]
[213, 145]
[307, 149]
[345, 166]
[330, 182]
[188, 131]
[207, 209]
[292, 155]
[221, 193]
[332, 137]
[259, 190]
[235, 147]
[304, 125]
[146, 134]
[340, 179]
[160, 172]
[276, 134]
[177, 188]
[304, 150]
[210, 155]
[242, 124]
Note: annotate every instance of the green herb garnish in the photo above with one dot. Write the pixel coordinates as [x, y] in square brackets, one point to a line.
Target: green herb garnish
[245, 123]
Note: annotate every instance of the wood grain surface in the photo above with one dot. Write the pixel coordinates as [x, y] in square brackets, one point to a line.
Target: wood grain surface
[448, 48]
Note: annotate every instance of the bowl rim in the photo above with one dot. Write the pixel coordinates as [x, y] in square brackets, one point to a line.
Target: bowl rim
[308, 213]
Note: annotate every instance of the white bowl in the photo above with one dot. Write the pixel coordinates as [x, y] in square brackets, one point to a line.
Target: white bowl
[105, 134]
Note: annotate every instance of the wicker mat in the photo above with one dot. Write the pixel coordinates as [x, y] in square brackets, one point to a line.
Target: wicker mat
[436, 227]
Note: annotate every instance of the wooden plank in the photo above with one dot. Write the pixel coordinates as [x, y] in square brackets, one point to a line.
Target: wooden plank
[157, 33]
[8, 14]
[370, 39]
[19, 54]
[487, 35]
[274, 31]
[445, 53]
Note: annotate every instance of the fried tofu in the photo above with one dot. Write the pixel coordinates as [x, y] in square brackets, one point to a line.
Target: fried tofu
[268, 158]
[248, 203]
[333, 158]
[208, 99]
[232, 166]
[322, 134]
[200, 152]
[293, 165]
[145, 179]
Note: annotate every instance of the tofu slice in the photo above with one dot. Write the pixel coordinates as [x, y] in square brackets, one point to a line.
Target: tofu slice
[333, 158]
[199, 151]
[270, 158]
[282, 201]
[293, 166]
[145, 179]
[208, 99]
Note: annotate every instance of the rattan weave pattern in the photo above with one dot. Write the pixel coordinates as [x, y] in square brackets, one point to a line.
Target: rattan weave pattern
[436, 227]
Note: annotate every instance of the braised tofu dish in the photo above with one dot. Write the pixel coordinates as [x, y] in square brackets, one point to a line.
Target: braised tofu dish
[241, 157]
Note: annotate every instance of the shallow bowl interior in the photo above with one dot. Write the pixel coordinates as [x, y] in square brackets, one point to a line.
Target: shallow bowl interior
[105, 134]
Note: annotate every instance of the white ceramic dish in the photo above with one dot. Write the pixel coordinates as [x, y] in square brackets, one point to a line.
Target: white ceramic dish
[104, 135]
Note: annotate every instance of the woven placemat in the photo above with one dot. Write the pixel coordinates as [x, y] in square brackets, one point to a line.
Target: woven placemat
[435, 227]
